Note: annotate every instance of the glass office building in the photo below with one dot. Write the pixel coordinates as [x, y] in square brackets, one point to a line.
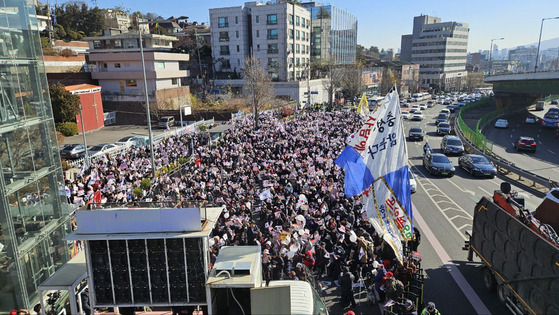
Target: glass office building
[33, 213]
[333, 33]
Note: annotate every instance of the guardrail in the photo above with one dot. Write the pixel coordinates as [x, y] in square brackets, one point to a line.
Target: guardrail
[156, 139]
[531, 181]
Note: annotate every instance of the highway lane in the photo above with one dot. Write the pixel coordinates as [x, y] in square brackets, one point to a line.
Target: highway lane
[544, 162]
[446, 205]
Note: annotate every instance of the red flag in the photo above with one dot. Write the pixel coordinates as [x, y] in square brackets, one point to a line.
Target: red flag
[97, 197]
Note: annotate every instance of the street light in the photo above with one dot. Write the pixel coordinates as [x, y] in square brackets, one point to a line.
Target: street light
[490, 51]
[540, 41]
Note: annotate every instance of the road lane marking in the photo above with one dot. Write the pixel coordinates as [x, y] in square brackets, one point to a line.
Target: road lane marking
[550, 151]
[462, 283]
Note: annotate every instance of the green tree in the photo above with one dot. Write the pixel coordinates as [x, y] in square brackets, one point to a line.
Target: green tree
[65, 105]
[59, 31]
[360, 54]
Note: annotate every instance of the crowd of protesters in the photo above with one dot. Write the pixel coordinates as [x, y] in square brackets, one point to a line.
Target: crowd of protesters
[281, 190]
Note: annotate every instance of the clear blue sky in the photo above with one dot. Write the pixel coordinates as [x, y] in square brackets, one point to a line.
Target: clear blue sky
[381, 23]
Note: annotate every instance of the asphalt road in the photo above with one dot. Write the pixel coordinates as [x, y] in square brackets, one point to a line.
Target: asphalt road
[446, 206]
[545, 161]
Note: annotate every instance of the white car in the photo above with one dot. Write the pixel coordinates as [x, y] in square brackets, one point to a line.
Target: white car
[422, 106]
[413, 183]
[502, 123]
[414, 108]
[130, 140]
[99, 149]
[406, 114]
[445, 111]
[440, 101]
[417, 115]
[531, 120]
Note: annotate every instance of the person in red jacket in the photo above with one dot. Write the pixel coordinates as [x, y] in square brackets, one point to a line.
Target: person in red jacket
[309, 260]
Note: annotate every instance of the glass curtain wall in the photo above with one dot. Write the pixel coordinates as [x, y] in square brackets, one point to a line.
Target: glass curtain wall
[34, 214]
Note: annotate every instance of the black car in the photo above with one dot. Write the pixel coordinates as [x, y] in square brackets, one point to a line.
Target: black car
[443, 128]
[452, 108]
[416, 133]
[452, 145]
[73, 151]
[438, 164]
[525, 144]
[441, 118]
[477, 165]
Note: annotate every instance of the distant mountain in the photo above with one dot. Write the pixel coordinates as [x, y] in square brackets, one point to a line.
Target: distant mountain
[546, 44]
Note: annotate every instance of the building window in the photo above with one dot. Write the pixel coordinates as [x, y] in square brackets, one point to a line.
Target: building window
[297, 48]
[96, 44]
[105, 65]
[257, 33]
[292, 49]
[257, 19]
[297, 62]
[224, 50]
[272, 19]
[273, 48]
[131, 83]
[236, 20]
[290, 34]
[272, 34]
[290, 60]
[223, 36]
[273, 62]
[298, 21]
[291, 19]
[303, 22]
[118, 44]
[225, 64]
[238, 48]
[223, 22]
[298, 35]
[237, 34]
[160, 65]
[174, 81]
[117, 65]
[258, 47]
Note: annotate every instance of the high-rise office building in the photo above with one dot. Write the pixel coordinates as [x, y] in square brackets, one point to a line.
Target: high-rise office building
[33, 216]
[333, 33]
[277, 33]
[440, 48]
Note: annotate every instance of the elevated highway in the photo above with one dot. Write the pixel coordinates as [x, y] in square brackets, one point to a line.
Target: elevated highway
[516, 90]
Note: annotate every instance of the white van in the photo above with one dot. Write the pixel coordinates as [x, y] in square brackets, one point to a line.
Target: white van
[166, 122]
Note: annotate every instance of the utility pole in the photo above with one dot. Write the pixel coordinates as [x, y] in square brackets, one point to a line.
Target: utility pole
[86, 158]
[199, 62]
[309, 85]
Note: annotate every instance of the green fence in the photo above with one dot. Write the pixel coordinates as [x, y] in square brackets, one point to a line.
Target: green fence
[475, 136]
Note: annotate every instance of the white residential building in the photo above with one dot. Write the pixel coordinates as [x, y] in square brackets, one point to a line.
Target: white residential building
[440, 48]
[116, 63]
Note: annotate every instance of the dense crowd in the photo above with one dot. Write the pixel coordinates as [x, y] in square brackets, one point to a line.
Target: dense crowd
[281, 190]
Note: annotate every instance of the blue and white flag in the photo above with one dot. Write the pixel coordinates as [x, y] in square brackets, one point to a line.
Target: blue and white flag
[376, 164]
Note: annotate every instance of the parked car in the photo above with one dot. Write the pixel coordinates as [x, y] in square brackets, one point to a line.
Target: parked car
[99, 149]
[477, 165]
[438, 164]
[442, 117]
[417, 115]
[413, 183]
[443, 128]
[452, 145]
[502, 123]
[129, 141]
[555, 102]
[416, 133]
[73, 151]
[166, 122]
[525, 144]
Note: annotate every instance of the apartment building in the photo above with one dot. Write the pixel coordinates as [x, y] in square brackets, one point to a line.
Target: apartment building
[116, 63]
[117, 19]
[34, 214]
[333, 33]
[440, 48]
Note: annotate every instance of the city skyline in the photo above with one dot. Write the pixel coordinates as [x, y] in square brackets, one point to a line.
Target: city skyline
[517, 22]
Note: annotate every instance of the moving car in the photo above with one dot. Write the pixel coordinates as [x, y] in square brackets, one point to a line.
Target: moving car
[413, 183]
[445, 111]
[531, 120]
[452, 145]
[525, 144]
[438, 164]
[422, 106]
[99, 149]
[417, 115]
[73, 151]
[443, 128]
[406, 114]
[416, 133]
[477, 165]
[414, 108]
[430, 104]
[502, 123]
[442, 117]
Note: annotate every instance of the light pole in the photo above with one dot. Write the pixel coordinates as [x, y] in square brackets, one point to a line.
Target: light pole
[540, 41]
[86, 158]
[490, 51]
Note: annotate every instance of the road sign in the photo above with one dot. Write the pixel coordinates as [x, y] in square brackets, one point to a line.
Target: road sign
[314, 92]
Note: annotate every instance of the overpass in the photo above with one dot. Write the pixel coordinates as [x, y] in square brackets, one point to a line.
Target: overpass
[512, 90]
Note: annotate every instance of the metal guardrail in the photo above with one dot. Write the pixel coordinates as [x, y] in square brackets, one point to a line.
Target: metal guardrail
[529, 180]
[156, 139]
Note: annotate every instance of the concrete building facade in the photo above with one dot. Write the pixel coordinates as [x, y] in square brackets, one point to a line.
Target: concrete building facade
[440, 48]
[115, 61]
[34, 213]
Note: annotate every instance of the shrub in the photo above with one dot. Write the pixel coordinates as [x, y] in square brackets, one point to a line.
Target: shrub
[67, 52]
[68, 129]
[183, 160]
[145, 183]
[138, 191]
[202, 127]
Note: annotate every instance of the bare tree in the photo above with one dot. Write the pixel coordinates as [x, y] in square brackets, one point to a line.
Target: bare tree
[334, 76]
[257, 85]
[352, 80]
